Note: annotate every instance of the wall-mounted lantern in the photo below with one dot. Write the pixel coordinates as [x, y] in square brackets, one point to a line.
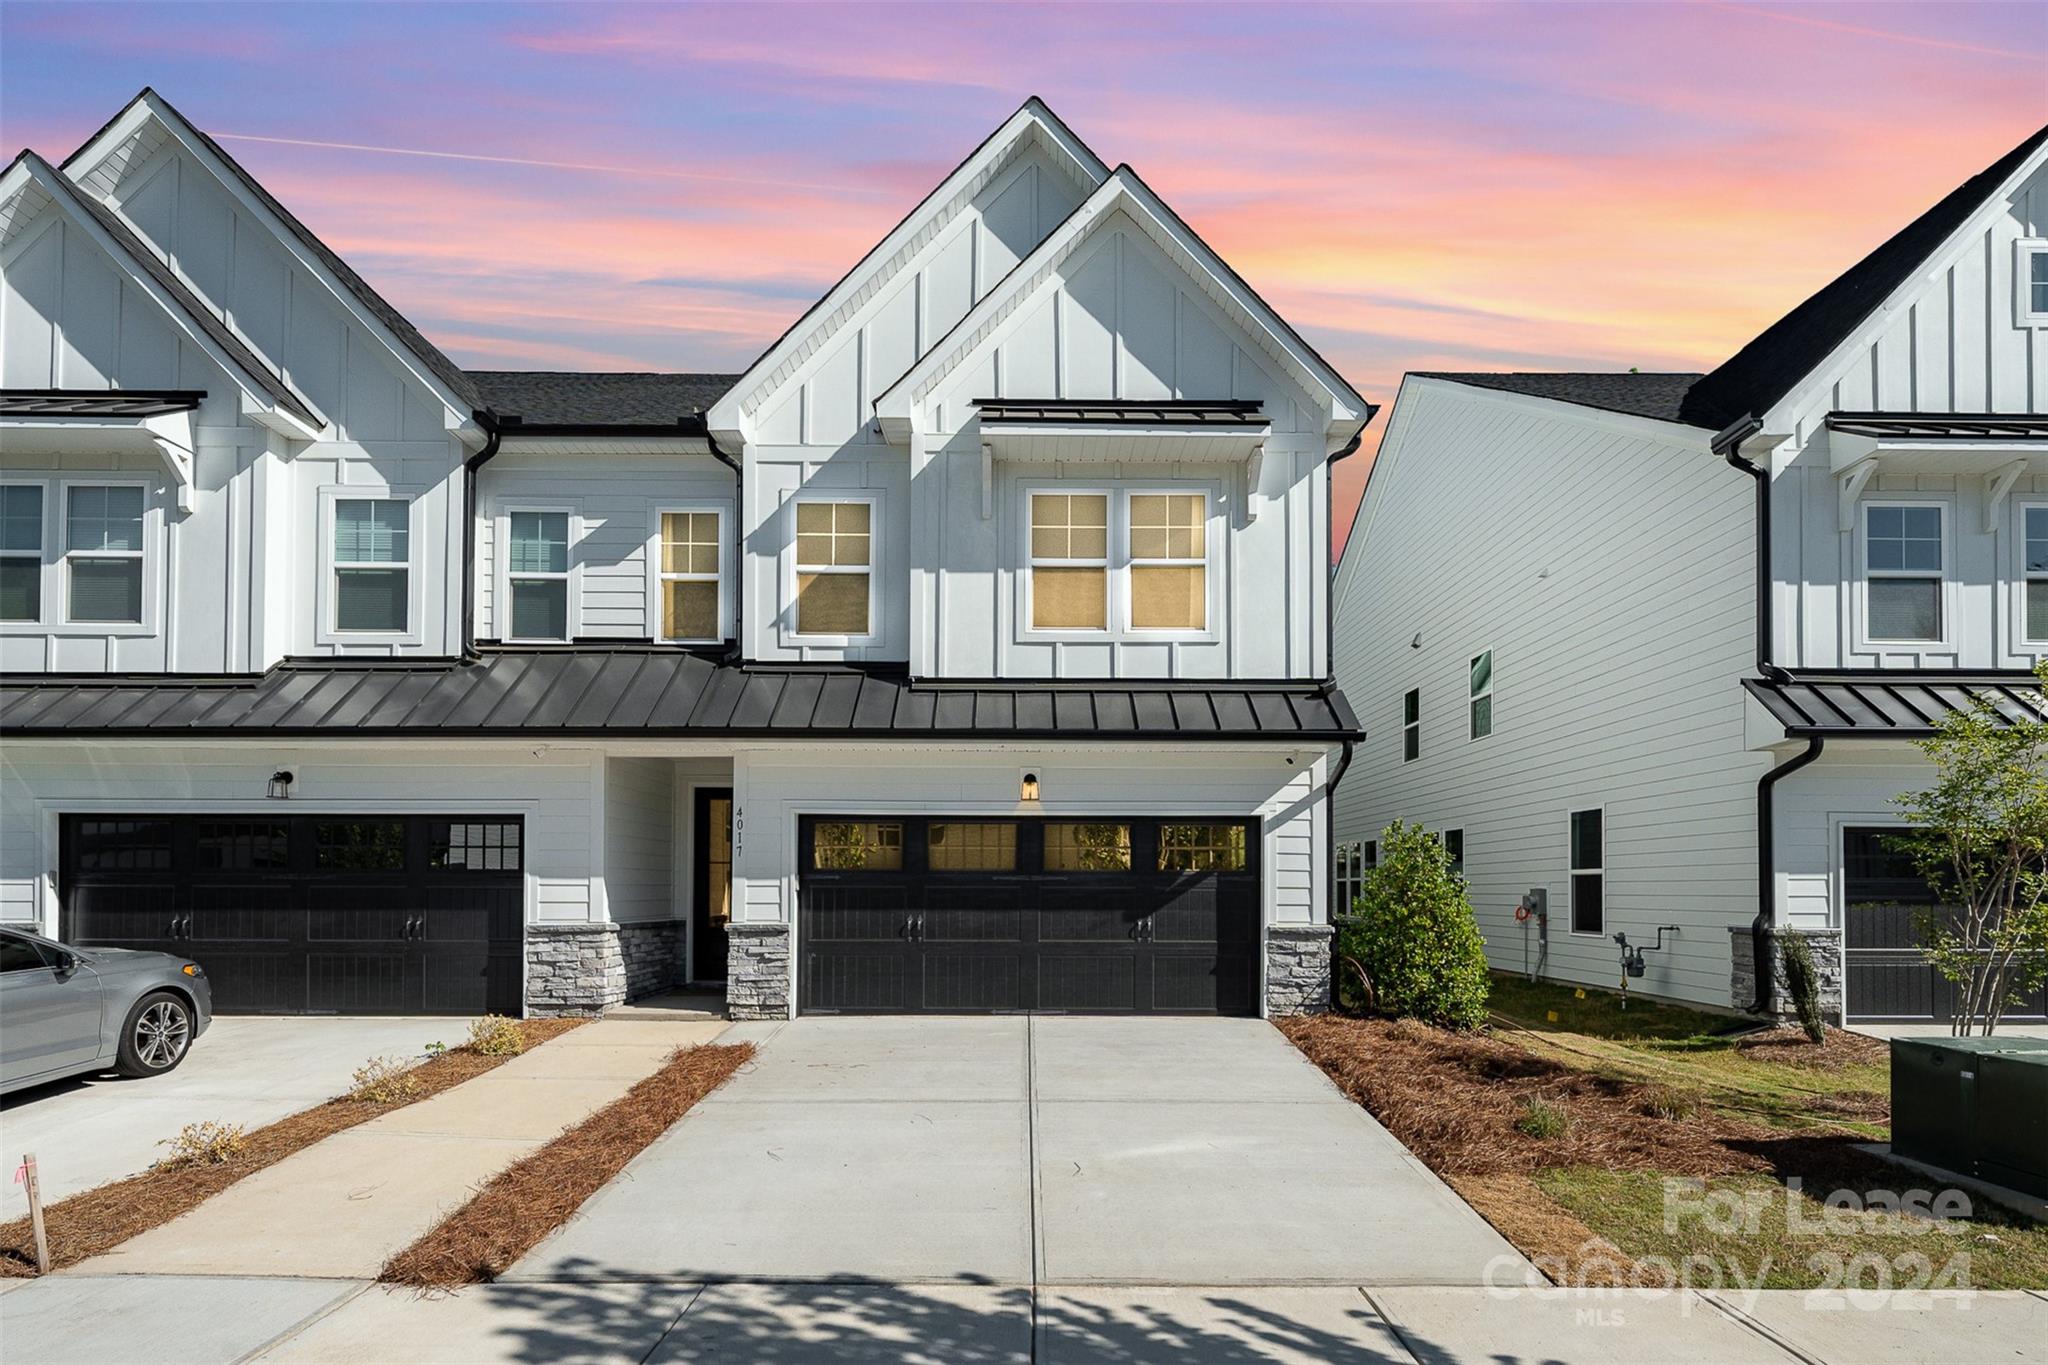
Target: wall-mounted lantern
[1027, 790]
[280, 785]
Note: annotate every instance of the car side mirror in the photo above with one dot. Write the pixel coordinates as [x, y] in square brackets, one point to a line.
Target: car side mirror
[67, 963]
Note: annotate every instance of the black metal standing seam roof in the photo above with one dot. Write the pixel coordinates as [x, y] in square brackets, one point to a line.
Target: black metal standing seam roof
[561, 398]
[1228, 412]
[97, 402]
[1898, 705]
[1941, 426]
[1656, 395]
[628, 691]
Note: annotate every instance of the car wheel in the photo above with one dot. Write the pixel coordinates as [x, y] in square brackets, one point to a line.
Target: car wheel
[157, 1035]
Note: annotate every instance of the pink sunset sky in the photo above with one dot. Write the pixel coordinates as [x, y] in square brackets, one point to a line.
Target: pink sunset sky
[1536, 186]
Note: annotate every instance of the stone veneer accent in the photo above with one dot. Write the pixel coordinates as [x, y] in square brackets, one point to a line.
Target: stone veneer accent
[1298, 968]
[573, 968]
[653, 954]
[757, 971]
[1824, 944]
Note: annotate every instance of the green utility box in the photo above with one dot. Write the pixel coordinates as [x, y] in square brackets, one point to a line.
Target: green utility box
[1975, 1106]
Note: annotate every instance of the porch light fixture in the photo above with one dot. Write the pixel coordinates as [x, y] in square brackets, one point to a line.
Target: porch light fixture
[1027, 790]
[280, 785]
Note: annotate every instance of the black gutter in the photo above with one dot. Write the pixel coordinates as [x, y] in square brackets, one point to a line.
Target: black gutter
[1767, 865]
[470, 466]
[794, 734]
[736, 654]
[1728, 445]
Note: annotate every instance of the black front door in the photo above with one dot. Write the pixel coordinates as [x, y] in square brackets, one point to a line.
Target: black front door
[711, 886]
[1111, 916]
[310, 914]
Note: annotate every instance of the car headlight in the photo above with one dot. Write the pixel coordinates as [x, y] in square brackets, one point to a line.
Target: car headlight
[193, 969]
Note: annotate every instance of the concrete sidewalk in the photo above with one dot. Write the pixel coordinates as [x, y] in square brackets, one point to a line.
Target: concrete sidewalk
[340, 1208]
[173, 1319]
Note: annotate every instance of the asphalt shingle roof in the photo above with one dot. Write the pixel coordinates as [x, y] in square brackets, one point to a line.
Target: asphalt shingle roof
[581, 399]
[1639, 395]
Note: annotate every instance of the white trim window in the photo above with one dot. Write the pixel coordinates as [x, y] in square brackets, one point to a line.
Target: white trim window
[2034, 567]
[2030, 281]
[1068, 584]
[539, 595]
[1589, 870]
[103, 552]
[1905, 564]
[1169, 559]
[1411, 725]
[1347, 877]
[22, 530]
[372, 565]
[690, 593]
[833, 597]
[1481, 686]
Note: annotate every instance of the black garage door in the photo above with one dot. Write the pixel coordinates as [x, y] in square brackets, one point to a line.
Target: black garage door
[1888, 980]
[310, 914]
[902, 915]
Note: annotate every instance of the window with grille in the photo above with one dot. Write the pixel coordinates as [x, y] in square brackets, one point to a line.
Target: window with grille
[1169, 561]
[372, 550]
[123, 845]
[971, 847]
[1070, 561]
[1589, 871]
[857, 846]
[103, 527]
[2030, 282]
[537, 575]
[1201, 848]
[242, 845]
[359, 845]
[1347, 877]
[473, 845]
[1080, 847]
[1903, 564]
[834, 568]
[21, 552]
[692, 550]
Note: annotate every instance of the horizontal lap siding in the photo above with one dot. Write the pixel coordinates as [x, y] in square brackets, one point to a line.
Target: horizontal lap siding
[1610, 573]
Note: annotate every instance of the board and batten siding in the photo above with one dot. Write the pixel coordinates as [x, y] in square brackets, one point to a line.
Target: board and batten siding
[559, 791]
[1607, 563]
[1850, 784]
[639, 842]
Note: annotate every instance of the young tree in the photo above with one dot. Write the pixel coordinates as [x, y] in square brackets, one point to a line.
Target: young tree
[1980, 838]
[1410, 947]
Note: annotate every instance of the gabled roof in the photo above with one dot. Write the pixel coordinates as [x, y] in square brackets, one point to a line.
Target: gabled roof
[561, 398]
[1657, 396]
[1032, 119]
[408, 336]
[177, 296]
[1756, 377]
[1124, 190]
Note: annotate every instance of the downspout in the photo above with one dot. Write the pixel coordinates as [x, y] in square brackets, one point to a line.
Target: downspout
[1728, 445]
[1330, 804]
[1329, 680]
[489, 422]
[1766, 862]
[739, 582]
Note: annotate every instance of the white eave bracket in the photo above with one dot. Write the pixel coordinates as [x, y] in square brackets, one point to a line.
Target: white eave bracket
[171, 434]
[1849, 484]
[988, 481]
[1997, 484]
[1253, 468]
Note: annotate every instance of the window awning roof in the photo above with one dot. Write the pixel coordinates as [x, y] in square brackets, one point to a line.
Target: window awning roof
[654, 692]
[1105, 429]
[1892, 704]
[97, 402]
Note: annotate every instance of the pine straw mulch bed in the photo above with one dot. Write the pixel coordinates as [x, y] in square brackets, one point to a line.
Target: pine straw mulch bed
[522, 1204]
[102, 1218]
[1789, 1046]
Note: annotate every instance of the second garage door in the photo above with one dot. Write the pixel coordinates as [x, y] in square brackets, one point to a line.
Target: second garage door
[942, 915]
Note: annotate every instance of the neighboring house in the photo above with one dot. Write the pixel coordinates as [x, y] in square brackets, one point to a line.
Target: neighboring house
[968, 652]
[1606, 629]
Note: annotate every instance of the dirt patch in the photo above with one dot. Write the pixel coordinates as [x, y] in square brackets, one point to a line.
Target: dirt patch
[1791, 1047]
[521, 1205]
[100, 1219]
[1543, 1230]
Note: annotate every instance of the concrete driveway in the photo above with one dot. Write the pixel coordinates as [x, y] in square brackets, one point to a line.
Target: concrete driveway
[1012, 1150]
[247, 1070]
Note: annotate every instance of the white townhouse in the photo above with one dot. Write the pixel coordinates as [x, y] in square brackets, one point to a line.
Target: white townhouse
[1654, 647]
[968, 652]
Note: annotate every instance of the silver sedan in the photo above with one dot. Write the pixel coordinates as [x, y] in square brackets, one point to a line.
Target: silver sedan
[65, 1011]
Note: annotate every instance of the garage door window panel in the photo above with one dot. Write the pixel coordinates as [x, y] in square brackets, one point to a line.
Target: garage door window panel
[972, 846]
[1169, 561]
[242, 845]
[834, 569]
[1075, 847]
[360, 846]
[1202, 848]
[479, 846]
[1070, 561]
[857, 846]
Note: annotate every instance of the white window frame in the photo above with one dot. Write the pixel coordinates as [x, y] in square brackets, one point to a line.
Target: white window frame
[1573, 872]
[2023, 251]
[1347, 876]
[1867, 643]
[44, 561]
[1120, 539]
[501, 587]
[65, 557]
[791, 635]
[1107, 563]
[1472, 699]
[657, 576]
[1409, 727]
[2025, 643]
[327, 593]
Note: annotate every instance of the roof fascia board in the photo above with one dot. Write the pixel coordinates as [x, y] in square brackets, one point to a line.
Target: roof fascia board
[885, 259]
[151, 105]
[1125, 192]
[256, 402]
[1785, 411]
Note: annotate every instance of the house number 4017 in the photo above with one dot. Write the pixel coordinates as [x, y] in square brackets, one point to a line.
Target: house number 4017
[739, 830]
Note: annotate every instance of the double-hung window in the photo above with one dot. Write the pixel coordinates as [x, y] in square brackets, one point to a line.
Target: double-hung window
[1070, 561]
[1903, 564]
[2034, 564]
[372, 565]
[21, 552]
[1482, 695]
[692, 548]
[2030, 281]
[834, 568]
[1589, 871]
[1411, 725]
[1169, 561]
[103, 553]
[537, 574]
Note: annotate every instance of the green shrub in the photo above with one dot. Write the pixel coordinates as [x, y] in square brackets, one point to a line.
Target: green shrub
[496, 1036]
[1410, 947]
[1542, 1119]
[1803, 981]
